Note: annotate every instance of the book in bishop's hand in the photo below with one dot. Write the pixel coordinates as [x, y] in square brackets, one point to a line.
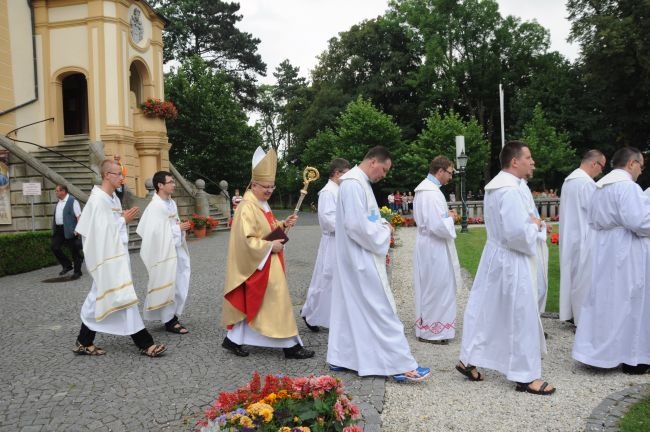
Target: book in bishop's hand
[277, 234]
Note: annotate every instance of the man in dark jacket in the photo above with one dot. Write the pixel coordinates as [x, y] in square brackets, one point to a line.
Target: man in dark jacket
[64, 222]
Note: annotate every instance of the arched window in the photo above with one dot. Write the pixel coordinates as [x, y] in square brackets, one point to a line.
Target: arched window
[135, 84]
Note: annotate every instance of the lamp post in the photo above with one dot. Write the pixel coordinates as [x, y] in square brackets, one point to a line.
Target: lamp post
[462, 165]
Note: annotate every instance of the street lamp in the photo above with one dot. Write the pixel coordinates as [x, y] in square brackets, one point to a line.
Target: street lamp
[462, 165]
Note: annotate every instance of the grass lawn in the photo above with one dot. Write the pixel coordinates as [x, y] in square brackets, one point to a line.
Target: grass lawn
[638, 418]
[470, 245]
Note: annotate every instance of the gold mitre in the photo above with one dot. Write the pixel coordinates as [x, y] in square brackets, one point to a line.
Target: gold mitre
[264, 165]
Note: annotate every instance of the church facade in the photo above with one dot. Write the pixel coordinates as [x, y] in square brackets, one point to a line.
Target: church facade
[74, 75]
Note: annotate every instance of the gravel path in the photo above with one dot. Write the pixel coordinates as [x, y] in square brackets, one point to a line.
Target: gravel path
[448, 401]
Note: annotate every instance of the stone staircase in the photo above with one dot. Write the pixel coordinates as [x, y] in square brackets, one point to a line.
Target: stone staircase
[222, 218]
[71, 170]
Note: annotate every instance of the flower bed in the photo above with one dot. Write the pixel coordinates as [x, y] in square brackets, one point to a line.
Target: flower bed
[283, 404]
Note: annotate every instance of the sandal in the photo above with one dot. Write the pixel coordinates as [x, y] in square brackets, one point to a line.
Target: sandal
[415, 375]
[468, 371]
[525, 387]
[177, 328]
[434, 341]
[154, 350]
[90, 350]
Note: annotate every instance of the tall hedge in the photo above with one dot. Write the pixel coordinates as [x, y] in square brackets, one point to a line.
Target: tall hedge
[23, 252]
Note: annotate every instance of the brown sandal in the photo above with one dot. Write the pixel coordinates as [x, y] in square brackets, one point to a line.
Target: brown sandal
[90, 350]
[541, 390]
[177, 328]
[468, 371]
[154, 350]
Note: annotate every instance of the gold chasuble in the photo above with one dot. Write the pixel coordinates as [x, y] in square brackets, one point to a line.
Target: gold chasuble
[261, 297]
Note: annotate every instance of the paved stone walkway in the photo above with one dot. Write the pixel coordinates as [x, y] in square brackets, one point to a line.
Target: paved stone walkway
[45, 387]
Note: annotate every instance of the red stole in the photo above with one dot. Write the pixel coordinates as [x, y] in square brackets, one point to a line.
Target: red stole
[249, 296]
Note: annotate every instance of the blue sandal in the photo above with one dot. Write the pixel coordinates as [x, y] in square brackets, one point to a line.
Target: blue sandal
[418, 374]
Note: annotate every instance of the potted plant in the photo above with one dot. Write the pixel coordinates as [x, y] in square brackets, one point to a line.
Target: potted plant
[199, 224]
[210, 224]
[284, 404]
[158, 108]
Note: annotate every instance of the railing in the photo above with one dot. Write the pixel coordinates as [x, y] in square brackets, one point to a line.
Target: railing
[547, 207]
[46, 148]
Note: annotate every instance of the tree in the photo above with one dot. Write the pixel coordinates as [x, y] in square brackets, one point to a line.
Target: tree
[211, 136]
[557, 85]
[288, 93]
[359, 128]
[554, 157]
[615, 60]
[438, 138]
[270, 114]
[279, 106]
[378, 60]
[468, 50]
[207, 29]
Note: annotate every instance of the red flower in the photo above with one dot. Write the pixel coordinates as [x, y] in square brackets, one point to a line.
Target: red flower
[159, 108]
[555, 238]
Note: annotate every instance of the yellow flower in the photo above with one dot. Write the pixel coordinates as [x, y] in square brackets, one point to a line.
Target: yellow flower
[246, 422]
[296, 419]
[261, 409]
[284, 429]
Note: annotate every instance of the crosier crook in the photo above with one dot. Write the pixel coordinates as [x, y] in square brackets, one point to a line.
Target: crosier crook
[309, 175]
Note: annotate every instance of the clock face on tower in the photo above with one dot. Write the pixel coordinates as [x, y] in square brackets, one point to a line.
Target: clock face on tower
[137, 30]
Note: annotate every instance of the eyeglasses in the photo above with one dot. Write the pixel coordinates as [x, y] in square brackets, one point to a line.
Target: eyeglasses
[119, 174]
[600, 164]
[450, 172]
[641, 166]
[268, 188]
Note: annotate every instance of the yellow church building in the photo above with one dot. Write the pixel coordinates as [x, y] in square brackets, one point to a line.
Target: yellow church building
[73, 77]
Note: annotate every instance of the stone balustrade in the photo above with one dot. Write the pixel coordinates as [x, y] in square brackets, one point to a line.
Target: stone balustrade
[547, 207]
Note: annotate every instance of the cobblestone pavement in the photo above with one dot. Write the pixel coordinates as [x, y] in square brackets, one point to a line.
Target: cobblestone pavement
[606, 416]
[45, 387]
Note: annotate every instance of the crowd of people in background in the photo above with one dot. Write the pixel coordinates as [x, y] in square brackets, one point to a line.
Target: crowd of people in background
[401, 203]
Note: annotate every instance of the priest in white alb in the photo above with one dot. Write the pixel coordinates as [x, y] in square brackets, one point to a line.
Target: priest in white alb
[165, 255]
[538, 265]
[576, 235]
[257, 308]
[111, 306]
[436, 271]
[615, 317]
[366, 335]
[501, 327]
[316, 310]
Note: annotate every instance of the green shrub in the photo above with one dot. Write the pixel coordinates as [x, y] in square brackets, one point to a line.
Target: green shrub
[23, 252]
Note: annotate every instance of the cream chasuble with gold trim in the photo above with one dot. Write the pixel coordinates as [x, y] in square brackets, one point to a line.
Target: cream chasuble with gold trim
[105, 254]
[158, 252]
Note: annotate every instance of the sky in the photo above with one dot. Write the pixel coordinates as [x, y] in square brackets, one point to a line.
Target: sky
[298, 30]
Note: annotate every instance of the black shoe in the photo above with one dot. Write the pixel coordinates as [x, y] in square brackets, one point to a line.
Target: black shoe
[639, 369]
[315, 329]
[298, 352]
[64, 271]
[76, 275]
[234, 348]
